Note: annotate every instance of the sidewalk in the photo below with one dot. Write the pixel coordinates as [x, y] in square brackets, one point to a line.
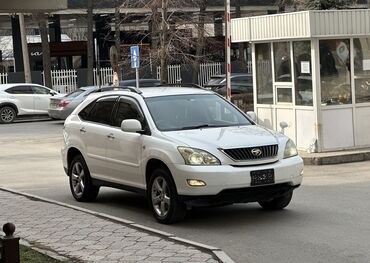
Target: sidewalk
[81, 236]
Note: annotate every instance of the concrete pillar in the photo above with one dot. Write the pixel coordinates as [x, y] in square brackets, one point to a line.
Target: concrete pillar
[17, 44]
[54, 29]
[102, 31]
[218, 22]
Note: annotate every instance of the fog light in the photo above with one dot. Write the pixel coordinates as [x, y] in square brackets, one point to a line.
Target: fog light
[193, 182]
[301, 173]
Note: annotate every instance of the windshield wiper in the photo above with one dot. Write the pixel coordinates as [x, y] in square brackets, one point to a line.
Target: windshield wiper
[198, 126]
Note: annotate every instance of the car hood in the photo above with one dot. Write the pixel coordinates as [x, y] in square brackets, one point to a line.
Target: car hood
[225, 138]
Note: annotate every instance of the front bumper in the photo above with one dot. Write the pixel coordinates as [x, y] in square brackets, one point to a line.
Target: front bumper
[226, 177]
[239, 195]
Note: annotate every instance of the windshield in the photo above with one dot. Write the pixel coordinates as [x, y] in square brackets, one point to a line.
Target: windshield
[186, 112]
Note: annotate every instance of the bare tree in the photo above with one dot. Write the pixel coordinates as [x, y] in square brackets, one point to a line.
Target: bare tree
[46, 62]
[201, 39]
[164, 42]
[90, 43]
[316, 4]
[171, 31]
[117, 36]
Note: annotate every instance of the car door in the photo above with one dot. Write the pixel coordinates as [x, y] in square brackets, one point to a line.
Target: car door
[94, 128]
[41, 97]
[22, 96]
[124, 148]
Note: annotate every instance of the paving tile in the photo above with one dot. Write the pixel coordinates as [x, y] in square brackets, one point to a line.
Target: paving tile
[89, 238]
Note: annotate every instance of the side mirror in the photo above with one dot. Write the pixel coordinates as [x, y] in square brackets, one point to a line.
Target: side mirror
[52, 93]
[283, 126]
[131, 125]
[252, 115]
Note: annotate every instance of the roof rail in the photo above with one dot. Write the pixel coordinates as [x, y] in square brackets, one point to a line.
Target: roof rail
[183, 85]
[112, 88]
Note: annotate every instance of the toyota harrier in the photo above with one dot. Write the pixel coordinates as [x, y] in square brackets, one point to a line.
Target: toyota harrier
[181, 147]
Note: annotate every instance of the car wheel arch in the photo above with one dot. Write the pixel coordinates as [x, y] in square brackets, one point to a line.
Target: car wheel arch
[153, 164]
[9, 104]
[72, 153]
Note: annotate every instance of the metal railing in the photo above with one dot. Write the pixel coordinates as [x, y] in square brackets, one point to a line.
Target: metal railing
[3, 78]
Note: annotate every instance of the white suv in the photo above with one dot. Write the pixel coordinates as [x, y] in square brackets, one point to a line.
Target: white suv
[181, 147]
[23, 99]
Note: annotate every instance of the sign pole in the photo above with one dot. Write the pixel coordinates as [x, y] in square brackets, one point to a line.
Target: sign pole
[137, 78]
[228, 48]
[135, 62]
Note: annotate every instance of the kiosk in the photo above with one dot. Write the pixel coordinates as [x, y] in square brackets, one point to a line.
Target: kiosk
[311, 69]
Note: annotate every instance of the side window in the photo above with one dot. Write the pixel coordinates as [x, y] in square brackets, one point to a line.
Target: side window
[127, 109]
[101, 112]
[20, 90]
[40, 90]
[85, 112]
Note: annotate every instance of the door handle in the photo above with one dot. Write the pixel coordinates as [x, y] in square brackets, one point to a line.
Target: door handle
[111, 136]
[83, 130]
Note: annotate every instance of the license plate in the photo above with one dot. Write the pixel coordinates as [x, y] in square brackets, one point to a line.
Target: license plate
[262, 177]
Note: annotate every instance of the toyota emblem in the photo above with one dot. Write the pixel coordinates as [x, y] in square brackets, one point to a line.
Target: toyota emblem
[256, 152]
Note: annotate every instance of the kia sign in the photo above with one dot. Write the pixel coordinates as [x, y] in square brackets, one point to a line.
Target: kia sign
[36, 54]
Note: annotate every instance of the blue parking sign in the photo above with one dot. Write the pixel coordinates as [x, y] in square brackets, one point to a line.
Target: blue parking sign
[135, 62]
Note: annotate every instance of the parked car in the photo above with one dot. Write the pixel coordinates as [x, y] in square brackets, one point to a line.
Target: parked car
[143, 83]
[21, 99]
[181, 147]
[62, 107]
[240, 84]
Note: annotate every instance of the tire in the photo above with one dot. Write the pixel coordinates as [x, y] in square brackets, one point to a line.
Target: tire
[80, 181]
[7, 114]
[163, 198]
[277, 203]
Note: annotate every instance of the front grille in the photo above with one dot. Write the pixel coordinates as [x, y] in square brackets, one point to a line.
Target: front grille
[252, 153]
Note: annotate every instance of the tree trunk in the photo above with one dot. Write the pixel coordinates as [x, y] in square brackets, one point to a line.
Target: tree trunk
[241, 59]
[117, 39]
[46, 63]
[201, 40]
[90, 44]
[164, 44]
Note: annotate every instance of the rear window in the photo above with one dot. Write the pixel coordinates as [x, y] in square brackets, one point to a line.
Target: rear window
[75, 93]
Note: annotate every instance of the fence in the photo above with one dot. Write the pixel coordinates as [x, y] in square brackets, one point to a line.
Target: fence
[207, 70]
[3, 78]
[64, 81]
[174, 74]
[106, 76]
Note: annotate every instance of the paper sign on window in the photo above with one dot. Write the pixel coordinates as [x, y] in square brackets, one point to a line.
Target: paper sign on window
[366, 64]
[305, 67]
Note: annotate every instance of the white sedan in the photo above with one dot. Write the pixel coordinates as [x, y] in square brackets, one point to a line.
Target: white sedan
[19, 99]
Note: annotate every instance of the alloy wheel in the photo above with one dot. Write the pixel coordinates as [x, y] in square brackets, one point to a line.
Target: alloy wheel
[7, 115]
[78, 179]
[160, 194]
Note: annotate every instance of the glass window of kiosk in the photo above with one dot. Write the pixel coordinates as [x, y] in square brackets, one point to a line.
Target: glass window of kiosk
[264, 74]
[361, 56]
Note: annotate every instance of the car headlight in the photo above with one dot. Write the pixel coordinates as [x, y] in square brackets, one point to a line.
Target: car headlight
[290, 149]
[197, 157]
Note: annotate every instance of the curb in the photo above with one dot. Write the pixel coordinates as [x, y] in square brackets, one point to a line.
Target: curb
[337, 159]
[216, 252]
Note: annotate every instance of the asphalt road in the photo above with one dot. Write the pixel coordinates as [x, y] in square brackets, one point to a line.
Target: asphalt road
[327, 221]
